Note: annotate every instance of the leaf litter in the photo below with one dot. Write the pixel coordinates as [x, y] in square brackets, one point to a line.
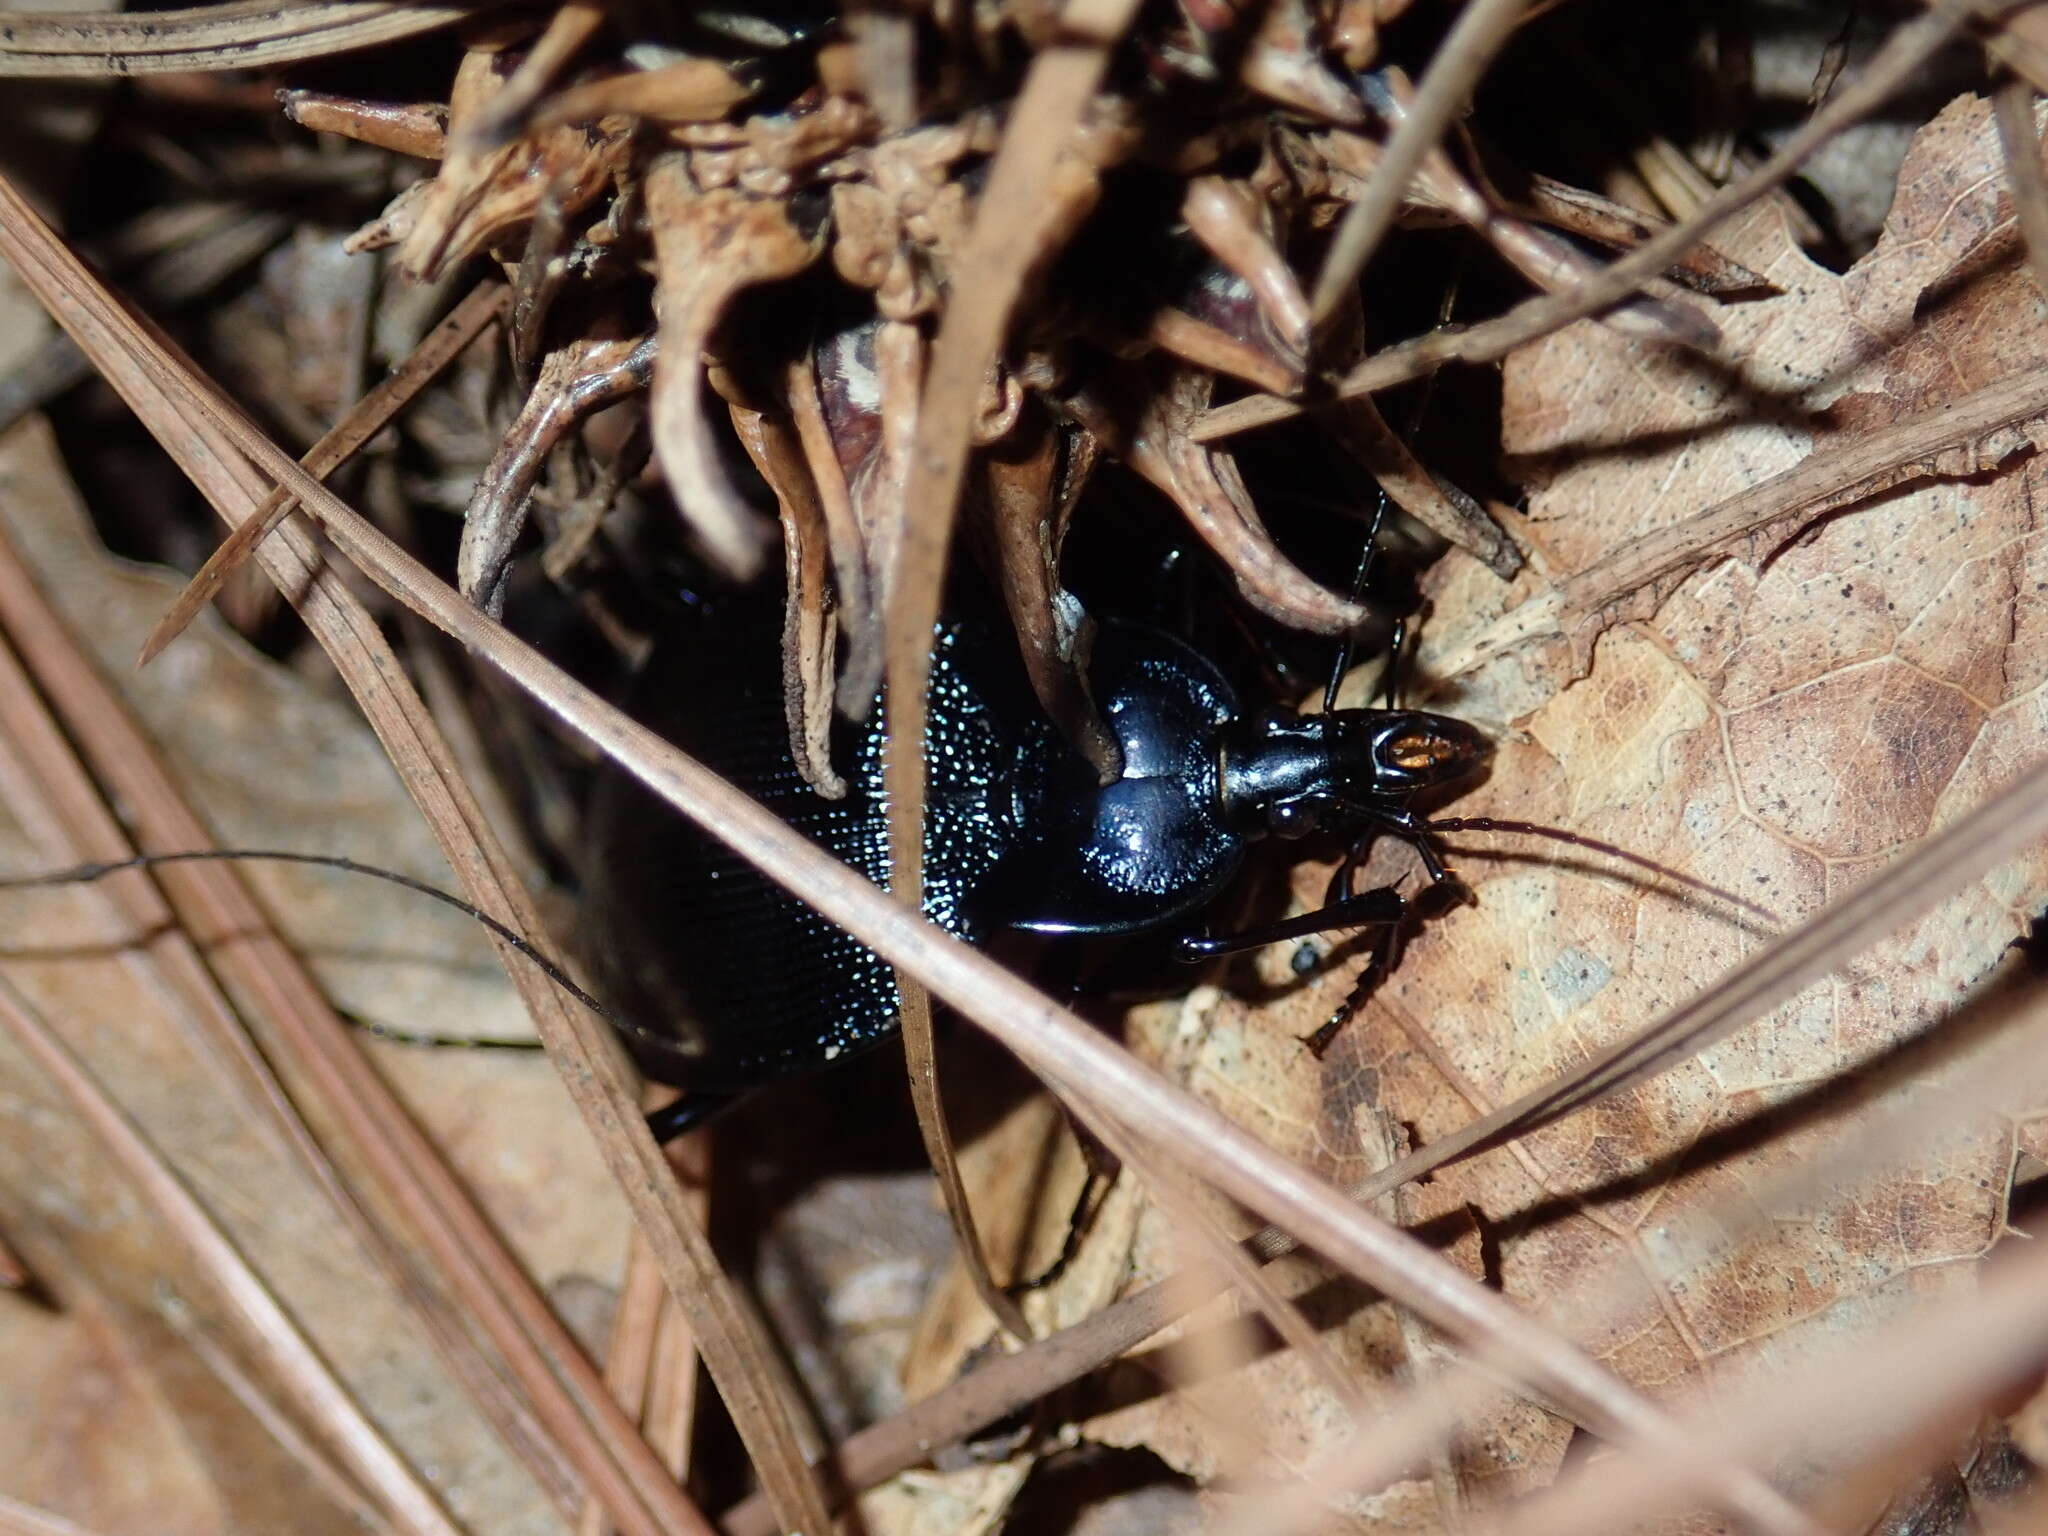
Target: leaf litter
[268, 755]
[1782, 724]
[1752, 728]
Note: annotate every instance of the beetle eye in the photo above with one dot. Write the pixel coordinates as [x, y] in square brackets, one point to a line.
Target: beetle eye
[1293, 818]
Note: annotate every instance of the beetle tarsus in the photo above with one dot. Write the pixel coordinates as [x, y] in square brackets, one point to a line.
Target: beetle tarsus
[1319, 1042]
[1377, 968]
[686, 1113]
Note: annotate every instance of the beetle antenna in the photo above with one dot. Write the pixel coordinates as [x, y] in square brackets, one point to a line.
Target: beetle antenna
[428, 1040]
[1397, 653]
[1358, 581]
[81, 874]
[1595, 845]
[1391, 684]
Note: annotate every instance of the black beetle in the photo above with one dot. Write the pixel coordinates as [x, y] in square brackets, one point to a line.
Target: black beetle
[727, 982]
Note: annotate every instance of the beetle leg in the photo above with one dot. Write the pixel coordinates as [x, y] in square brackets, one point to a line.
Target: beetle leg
[1103, 1169]
[1368, 909]
[1413, 830]
[1385, 944]
[1342, 664]
[1340, 887]
[1432, 862]
[682, 1115]
[1379, 963]
[1397, 660]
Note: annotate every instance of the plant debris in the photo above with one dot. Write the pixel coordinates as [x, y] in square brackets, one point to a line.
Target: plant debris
[1706, 490]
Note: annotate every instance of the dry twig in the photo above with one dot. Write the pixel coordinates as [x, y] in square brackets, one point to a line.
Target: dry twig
[236, 34]
[269, 1326]
[1061, 1047]
[1901, 58]
[136, 359]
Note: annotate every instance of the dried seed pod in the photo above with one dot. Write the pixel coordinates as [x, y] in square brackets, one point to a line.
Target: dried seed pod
[1219, 326]
[574, 380]
[480, 196]
[869, 376]
[1031, 490]
[1226, 217]
[809, 631]
[418, 129]
[860, 616]
[708, 245]
[1432, 501]
[1436, 504]
[685, 91]
[1620, 227]
[1284, 64]
[1151, 433]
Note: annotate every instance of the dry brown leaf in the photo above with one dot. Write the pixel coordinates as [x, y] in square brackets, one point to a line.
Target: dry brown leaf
[1056, 1043]
[275, 763]
[1027, 1173]
[1791, 719]
[210, 438]
[1251, 1066]
[1903, 58]
[101, 1436]
[1003, 1175]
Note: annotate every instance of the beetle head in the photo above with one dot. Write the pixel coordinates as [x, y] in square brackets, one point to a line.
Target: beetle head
[1400, 751]
[1290, 774]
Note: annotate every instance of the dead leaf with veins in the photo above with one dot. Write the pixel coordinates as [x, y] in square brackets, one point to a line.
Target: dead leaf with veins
[1781, 718]
[131, 1429]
